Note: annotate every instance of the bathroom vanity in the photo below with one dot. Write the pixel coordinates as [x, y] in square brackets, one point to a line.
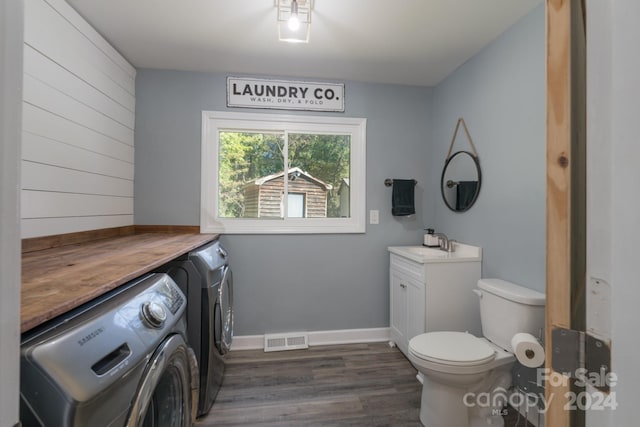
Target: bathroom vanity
[432, 290]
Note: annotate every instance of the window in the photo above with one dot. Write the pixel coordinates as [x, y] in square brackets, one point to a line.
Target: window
[274, 173]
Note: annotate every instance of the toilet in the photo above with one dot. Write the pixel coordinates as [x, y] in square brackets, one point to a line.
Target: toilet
[461, 372]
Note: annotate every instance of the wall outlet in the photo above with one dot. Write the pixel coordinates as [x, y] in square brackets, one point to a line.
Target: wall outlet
[374, 216]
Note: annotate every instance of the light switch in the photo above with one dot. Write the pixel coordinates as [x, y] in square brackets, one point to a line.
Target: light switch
[374, 216]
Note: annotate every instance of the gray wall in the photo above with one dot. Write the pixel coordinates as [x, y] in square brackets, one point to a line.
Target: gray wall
[288, 282]
[500, 93]
[326, 282]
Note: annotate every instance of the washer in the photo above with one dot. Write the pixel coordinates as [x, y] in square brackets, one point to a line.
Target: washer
[121, 360]
[206, 279]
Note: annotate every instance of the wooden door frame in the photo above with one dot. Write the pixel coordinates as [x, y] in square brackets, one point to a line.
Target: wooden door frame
[566, 190]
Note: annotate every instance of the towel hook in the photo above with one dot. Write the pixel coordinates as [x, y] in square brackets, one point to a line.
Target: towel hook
[389, 182]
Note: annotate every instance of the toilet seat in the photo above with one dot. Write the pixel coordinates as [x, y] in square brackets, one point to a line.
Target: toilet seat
[451, 349]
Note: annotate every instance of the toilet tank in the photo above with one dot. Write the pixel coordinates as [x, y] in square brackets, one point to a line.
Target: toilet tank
[507, 308]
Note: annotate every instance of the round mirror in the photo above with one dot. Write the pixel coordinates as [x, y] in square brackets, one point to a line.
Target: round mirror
[461, 180]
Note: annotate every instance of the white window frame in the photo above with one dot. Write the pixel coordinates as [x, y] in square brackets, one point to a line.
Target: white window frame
[213, 121]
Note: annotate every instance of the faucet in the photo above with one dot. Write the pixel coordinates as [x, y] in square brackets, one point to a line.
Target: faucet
[445, 243]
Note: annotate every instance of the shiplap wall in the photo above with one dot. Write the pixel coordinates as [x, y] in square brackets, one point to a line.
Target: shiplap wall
[78, 125]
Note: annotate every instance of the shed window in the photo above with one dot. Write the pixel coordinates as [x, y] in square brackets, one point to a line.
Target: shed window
[272, 173]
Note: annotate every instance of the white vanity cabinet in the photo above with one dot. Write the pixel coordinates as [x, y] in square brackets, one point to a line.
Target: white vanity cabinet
[432, 290]
[407, 303]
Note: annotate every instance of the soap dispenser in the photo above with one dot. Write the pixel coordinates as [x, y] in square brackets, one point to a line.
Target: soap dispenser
[430, 240]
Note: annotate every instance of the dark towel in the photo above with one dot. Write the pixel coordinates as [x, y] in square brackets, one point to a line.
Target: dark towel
[402, 198]
[466, 192]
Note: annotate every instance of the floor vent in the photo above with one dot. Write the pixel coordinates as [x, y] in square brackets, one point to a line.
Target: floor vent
[279, 342]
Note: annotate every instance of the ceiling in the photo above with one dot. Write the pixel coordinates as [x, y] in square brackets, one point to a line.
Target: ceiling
[415, 42]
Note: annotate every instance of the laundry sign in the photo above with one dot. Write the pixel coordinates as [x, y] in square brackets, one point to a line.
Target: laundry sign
[284, 94]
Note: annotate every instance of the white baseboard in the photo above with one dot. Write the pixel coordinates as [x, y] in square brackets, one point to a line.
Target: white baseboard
[342, 336]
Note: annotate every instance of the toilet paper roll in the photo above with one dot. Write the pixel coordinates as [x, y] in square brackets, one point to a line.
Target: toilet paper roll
[528, 350]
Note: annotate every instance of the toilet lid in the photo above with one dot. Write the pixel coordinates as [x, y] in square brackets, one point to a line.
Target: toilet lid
[451, 348]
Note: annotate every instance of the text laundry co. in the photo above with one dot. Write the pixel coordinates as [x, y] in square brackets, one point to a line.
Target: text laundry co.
[282, 94]
[283, 91]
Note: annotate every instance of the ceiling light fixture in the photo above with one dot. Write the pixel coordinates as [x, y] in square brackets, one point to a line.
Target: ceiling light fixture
[294, 20]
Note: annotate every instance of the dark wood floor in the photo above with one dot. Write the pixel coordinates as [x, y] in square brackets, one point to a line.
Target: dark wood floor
[344, 385]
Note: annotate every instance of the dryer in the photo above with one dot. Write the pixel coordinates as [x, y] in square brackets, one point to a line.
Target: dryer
[205, 277]
[120, 360]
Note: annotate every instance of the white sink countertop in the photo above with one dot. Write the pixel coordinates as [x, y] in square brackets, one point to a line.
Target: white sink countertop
[423, 254]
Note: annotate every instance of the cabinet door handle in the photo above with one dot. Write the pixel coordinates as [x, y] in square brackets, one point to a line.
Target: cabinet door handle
[403, 286]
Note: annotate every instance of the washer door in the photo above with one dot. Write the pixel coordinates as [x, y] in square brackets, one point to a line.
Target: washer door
[225, 301]
[164, 395]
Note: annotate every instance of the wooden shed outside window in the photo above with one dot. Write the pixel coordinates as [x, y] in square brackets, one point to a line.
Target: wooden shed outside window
[307, 196]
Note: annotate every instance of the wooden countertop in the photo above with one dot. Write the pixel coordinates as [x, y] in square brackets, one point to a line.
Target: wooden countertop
[59, 279]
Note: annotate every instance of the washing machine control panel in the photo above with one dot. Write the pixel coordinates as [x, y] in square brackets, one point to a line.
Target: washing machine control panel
[156, 310]
[174, 298]
[153, 314]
